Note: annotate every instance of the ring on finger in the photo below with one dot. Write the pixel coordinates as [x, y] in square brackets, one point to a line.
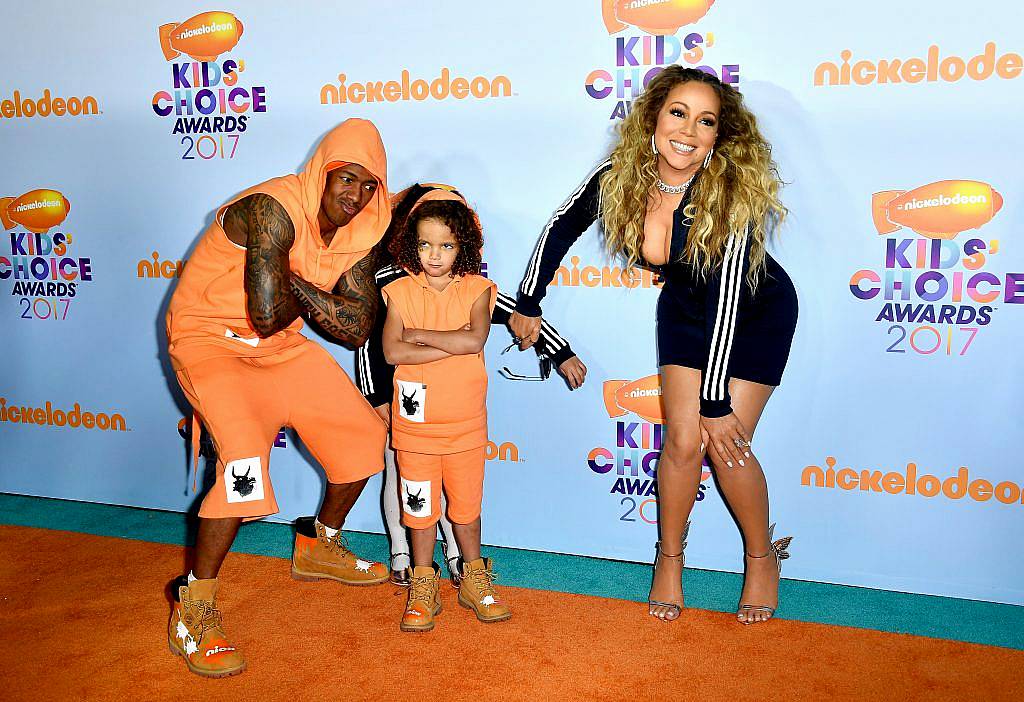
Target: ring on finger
[740, 443]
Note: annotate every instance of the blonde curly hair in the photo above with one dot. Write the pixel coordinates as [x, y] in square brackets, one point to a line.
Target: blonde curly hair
[737, 191]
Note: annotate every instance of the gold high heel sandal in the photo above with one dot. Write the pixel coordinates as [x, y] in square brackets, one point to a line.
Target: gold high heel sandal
[778, 548]
[670, 606]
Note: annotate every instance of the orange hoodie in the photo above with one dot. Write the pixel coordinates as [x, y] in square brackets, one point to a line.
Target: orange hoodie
[207, 315]
[439, 407]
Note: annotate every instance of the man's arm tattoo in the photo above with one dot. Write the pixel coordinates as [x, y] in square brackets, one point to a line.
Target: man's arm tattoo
[269, 300]
[348, 314]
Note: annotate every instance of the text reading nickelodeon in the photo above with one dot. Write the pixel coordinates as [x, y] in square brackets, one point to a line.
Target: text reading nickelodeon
[634, 461]
[934, 291]
[640, 57]
[210, 108]
[46, 276]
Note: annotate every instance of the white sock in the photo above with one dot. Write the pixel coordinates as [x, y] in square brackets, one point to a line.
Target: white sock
[331, 533]
[191, 577]
[393, 513]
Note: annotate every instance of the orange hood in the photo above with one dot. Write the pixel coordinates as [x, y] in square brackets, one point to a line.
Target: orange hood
[352, 141]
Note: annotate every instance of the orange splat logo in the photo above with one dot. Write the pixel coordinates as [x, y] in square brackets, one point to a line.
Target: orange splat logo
[203, 37]
[939, 210]
[37, 210]
[660, 17]
[641, 397]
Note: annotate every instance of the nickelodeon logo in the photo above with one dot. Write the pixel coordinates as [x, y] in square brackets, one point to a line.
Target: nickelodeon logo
[604, 277]
[652, 16]
[47, 105]
[939, 210]
[929, 69]
[507, 451]
[156, 268]
[48, 416]
[909, 482]
[203, 37]
[407, 88]
[641, 397]
[37, 210]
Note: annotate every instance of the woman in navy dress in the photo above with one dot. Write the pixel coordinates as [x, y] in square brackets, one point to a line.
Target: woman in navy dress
[691, 190]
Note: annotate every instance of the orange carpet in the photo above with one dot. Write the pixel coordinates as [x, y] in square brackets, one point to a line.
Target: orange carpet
[84, 618]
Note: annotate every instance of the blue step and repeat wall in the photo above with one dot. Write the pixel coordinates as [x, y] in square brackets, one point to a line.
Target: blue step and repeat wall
[892, 448]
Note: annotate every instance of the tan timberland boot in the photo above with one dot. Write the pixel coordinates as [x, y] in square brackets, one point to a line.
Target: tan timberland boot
[477, 592]
[194, 631]
[317, 557]
[424, 601]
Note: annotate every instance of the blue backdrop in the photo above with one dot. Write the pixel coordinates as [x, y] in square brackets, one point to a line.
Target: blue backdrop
[888, 448]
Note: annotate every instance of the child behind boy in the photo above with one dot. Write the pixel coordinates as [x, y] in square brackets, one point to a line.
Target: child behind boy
[437, 323]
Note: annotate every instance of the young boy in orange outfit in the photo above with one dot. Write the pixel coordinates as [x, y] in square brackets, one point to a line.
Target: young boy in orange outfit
[437, 323]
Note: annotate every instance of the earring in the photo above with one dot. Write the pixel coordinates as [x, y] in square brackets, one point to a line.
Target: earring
[708, 158]
[654, 148]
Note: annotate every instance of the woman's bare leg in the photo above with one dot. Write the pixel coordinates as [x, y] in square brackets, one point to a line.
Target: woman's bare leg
[679, 471]
[746, 491]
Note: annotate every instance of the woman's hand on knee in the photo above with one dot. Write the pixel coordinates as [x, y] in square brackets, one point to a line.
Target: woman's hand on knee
[726, 439]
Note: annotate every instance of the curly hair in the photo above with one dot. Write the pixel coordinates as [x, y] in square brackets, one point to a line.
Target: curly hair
[737, 191]
[463, 224]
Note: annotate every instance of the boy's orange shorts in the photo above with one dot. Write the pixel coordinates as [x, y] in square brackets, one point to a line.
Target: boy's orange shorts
[244, 402]
[424, 475]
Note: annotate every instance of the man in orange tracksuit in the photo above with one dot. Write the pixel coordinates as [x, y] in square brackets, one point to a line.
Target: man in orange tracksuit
[299, 244]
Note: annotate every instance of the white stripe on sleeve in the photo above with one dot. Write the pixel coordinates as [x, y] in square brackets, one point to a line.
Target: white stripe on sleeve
[529, 285]
[725, 320]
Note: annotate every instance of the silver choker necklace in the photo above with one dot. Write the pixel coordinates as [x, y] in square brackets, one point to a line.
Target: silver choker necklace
[675, 189]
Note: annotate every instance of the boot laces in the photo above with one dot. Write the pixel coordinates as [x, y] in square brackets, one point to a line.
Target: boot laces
[483, 581]
[339, 544]
[421, 589]
[209, 616]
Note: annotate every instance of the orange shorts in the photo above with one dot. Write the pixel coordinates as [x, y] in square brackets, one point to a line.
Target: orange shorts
[424, 475]
[244, 402]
